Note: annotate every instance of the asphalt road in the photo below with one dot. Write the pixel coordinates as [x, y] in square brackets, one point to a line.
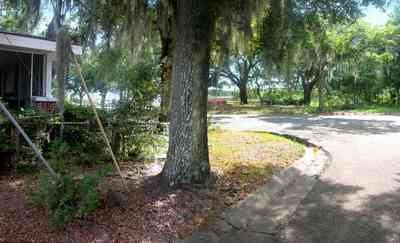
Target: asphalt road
[357, 199]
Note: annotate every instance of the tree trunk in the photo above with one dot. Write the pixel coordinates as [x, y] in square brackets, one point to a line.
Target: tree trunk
[187, 159]
[81, 94]
[165, 88]
[62, 64]
[56, 22]
[167, 33]
[243, 92]
[321, 92]
[307, 88]
[259, 94]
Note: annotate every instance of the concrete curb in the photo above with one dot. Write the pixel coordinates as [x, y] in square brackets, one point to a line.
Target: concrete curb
[262, 213]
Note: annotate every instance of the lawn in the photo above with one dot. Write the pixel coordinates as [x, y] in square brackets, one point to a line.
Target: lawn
[256, 108]
[247, 159]
[376, 109]
[240, 162]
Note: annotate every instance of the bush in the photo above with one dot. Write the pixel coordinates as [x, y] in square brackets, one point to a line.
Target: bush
[25, 168]
[60, 156]
[34, 123]
[275, 97]
[131, 127]
[83, 143]
[5, 139]
[134, 130]
[69, 196]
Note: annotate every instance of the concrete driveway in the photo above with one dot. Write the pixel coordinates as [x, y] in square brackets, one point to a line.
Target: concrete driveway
[357, 198]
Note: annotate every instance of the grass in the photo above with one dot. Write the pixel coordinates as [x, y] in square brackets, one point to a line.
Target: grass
[376, 109]
[256, 108]
[246, 160]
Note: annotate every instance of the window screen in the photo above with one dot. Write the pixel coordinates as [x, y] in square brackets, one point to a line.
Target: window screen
[38, 77]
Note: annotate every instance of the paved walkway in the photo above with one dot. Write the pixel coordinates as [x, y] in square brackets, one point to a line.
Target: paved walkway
[357, 199]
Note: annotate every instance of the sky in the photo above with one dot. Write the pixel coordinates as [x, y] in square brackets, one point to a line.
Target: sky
[377, 16]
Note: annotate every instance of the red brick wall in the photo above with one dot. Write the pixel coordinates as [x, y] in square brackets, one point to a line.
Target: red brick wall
[217, 101]
[46, 106]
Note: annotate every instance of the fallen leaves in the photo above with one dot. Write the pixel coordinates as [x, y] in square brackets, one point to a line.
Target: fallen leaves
[247, 159]
[241, 161]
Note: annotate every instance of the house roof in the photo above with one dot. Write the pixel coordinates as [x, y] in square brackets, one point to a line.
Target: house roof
[30, 42]
[23, 35]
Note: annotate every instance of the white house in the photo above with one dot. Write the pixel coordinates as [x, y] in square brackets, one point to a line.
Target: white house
[27, 69]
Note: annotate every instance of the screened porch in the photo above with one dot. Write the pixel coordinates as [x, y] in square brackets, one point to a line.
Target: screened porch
[22, 76]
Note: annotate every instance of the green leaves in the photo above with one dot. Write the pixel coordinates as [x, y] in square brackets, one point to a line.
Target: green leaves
[69, 196]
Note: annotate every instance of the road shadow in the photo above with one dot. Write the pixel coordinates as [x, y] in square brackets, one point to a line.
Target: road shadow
[326, 215]
[336, 124]
[319, 124]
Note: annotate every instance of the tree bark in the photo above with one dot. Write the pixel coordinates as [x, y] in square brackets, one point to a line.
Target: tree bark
[244, 78]
[243, 92]
[321, 104]
[322, 89]
[62, 64]
[81, 98]
[187, 158]
[165, 88]
[167, 33]
[307, 88]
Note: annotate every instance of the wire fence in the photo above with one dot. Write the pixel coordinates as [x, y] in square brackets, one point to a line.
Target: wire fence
[14, 149]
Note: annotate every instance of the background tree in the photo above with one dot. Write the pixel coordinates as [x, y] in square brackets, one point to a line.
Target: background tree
[392, 62]
[241, 71]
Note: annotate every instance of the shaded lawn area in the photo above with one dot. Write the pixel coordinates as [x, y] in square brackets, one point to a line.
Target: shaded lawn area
[241, 161]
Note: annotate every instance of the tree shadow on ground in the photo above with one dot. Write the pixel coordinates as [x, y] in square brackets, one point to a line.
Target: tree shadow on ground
[318, 124]
[336, 124]
[331, 213]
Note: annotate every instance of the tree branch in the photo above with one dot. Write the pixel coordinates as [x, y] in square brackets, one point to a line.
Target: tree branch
[232, 77]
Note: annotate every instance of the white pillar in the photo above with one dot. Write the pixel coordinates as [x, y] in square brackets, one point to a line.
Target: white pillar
[50, 57]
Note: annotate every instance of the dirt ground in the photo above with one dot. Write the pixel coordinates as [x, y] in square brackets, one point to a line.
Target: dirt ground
[150, 212]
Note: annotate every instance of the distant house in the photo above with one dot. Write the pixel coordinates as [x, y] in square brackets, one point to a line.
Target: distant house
[27, 69]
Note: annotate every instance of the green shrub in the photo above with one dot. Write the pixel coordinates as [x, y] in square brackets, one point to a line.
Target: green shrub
[279, 97]
[69, 196]
[59, 154]
[131, 127]
[5, 139]
[26, 168]
[84, 141]
[35, 124]
[134, 130]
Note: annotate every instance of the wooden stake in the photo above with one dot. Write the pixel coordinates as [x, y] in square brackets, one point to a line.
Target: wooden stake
[27, 139]
[106, 140]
